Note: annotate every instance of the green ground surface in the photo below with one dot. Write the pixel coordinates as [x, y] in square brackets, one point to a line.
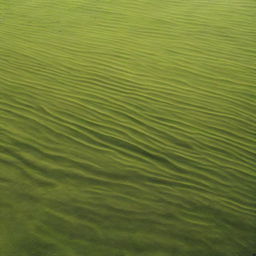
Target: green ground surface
[127, 128]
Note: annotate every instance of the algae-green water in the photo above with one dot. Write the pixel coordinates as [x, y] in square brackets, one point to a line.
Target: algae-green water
[127, 128]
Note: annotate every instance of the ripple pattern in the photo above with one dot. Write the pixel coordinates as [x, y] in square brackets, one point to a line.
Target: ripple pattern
[127, 128]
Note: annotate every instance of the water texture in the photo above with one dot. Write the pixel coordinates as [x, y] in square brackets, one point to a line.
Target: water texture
[127, 128]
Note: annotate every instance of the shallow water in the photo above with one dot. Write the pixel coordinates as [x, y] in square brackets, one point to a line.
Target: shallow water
[127, 128]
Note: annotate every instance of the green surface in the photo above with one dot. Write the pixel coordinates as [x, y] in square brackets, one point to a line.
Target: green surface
[127, 128]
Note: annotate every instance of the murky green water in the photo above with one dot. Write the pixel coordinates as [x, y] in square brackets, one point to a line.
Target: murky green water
[127, 128]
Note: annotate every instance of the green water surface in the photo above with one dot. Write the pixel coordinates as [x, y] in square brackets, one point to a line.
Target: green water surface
[127, 128]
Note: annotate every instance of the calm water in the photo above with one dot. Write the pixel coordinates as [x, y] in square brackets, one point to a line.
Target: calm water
[127, 128]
